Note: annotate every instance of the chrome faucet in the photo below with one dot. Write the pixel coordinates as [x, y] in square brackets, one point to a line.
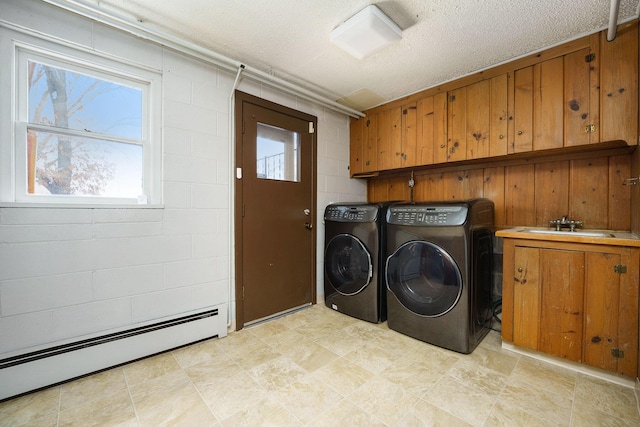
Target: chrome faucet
[565, 222]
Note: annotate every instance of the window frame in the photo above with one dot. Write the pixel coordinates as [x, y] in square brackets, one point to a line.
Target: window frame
[102, 67]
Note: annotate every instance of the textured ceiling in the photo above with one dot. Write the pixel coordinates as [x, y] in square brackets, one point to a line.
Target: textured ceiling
[442, 39]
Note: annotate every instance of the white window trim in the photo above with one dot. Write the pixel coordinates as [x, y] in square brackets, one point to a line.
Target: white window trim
[13, 140]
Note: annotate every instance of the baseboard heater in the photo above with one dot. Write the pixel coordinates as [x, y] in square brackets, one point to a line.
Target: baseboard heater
[45, 367]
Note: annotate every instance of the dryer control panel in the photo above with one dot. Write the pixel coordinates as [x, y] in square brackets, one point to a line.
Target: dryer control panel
[427, 215]
[348, 213]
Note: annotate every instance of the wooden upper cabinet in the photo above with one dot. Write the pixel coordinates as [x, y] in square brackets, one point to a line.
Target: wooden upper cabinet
[356, 146]
[431, 126]
[619, 85]
[409, 134]
[581, 94]
[499, 115]
[370, 143]
[390, 139]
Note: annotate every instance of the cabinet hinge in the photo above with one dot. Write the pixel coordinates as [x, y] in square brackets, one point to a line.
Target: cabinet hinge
[616, 352]
[368, 122]
[452, 98]
[590, 57]
[589, 128]
[620, 269]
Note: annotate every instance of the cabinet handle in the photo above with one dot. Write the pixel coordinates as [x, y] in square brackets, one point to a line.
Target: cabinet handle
[519, 269]
[501, 137]
[519, 132]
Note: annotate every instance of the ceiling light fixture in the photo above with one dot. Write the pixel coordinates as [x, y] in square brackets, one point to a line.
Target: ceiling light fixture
[366, 32]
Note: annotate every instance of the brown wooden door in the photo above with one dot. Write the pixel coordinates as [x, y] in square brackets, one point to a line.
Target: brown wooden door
[275, 210]
[526, 297]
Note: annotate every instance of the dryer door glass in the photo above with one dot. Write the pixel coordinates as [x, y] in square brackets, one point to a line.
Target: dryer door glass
[424, 278]
[347, 264]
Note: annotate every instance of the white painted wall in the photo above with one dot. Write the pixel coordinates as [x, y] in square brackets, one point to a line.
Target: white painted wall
[67, 273]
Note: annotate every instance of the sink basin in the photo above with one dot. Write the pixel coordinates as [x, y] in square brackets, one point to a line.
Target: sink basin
[571, 233]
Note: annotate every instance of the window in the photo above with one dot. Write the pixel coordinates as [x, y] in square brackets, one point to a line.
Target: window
[278, 154]
[84, 130]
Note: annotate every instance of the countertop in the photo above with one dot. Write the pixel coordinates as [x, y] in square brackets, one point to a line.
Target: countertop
[610, 237]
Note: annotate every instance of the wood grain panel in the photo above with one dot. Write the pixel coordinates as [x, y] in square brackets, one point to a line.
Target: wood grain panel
[548, 104]
[602, 297]
[561, 310]
[588, 201]
[429, 187]
[523, 111]
[577, 92]
[494, 190]
[498, 118]
[425, 143]
[398, 189]
[457, 135]
[552, 191]
[477, 126]
[440, 116]
[409, 134]
[387, 158]
[520, 206]
[508, 284]
[357, 146]
[619, 85]
[619, 194]
[526, 296]
[370, 136]
[463, 185]
[628, 309]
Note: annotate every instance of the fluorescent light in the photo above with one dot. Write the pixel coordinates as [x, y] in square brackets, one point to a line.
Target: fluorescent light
[366, 32]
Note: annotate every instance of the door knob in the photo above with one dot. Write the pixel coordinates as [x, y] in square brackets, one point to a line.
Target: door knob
[308, 225]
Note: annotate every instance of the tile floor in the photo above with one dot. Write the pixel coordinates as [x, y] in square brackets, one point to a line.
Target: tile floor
[317, 367]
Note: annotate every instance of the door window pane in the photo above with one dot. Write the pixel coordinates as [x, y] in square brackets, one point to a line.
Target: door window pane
[277, 153]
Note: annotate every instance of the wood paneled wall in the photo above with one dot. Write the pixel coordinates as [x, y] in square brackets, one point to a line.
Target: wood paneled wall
[530, 194]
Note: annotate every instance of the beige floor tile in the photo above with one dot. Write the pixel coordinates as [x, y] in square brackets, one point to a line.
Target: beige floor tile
[152, 394]
[340, 342]
[417, 377]
[277, 373]
[109, 410]
[477, 377]
[545, 376]
[385, 400]
[287, 341]
[228, 396]
[90, 388]
[370, 357]
[509, 416]
[343, 376]
[345, 413]
[199, 353]
[495, 360]
[266, 412]
[253, 354]
[424, 414]
[587, 416]
[35, 409]
[465, 402]
[213, 370]
[307, 398]
[269, 329]
[538, 402]
[606, 397]
[150, 368]
[311, 356]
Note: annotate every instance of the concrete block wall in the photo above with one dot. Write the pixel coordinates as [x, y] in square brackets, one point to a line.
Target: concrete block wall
[69, 272]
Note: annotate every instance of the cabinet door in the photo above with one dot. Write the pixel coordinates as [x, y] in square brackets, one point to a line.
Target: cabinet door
[523, 111]
[370, 147]
[526, 297]
[431, 138]
[498, 116]
[619, 85]
[561, 314]
[389, 139]
[409, 134]
[580, 112]
[548, 102]
[478, 115]
[457, 125]
[356, 146]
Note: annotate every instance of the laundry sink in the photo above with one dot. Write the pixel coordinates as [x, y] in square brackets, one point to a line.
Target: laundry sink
[570, 233]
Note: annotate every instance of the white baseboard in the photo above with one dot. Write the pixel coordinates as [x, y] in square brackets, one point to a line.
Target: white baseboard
[41, 371]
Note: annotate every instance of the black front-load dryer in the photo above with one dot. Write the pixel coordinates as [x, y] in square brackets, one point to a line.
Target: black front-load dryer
[354, 259]
[439, 272]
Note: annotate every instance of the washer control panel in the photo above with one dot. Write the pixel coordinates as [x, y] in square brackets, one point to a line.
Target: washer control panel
[427, 215]
[347, 213]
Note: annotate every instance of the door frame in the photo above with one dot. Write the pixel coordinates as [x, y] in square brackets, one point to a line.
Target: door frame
[240, 99]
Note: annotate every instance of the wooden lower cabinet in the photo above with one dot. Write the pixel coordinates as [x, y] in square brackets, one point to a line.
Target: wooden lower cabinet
[574, 301]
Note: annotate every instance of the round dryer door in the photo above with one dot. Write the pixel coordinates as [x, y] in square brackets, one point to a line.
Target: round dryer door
[424, 278]
[347, 264]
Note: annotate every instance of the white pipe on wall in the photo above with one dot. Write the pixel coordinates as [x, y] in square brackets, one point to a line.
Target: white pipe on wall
[613, 20]
[82, 8]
